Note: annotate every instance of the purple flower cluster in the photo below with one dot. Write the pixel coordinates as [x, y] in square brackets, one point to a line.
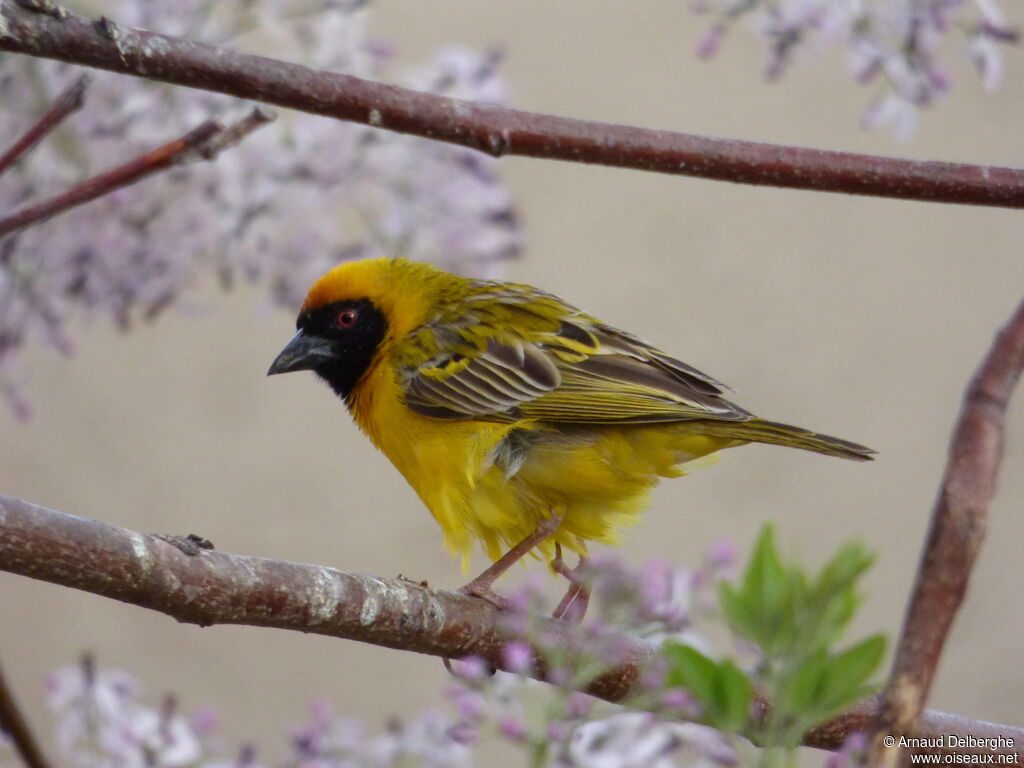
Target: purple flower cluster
[563, 728]
[893, 43]
[290, 201]
[431, 740]
[101, 723]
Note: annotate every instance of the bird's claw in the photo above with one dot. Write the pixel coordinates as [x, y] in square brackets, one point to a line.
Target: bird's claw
[484, 592]
[573, 606]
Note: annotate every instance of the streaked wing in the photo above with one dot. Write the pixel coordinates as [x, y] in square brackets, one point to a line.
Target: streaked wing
[492, 384]
[626, 380]
[560, 367]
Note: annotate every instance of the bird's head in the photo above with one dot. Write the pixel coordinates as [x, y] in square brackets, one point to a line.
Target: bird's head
[352, 312]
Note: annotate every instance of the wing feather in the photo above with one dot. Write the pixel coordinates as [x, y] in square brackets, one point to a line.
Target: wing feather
[510, 353]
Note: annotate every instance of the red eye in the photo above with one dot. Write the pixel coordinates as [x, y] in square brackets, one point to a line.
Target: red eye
[347, 318]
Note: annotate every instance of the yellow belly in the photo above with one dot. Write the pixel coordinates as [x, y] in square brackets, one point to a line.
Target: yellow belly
[597, 478]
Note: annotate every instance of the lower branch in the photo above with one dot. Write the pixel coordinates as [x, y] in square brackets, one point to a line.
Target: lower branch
[217, 588]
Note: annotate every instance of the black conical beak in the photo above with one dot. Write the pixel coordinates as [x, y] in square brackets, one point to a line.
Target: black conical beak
[302, 353]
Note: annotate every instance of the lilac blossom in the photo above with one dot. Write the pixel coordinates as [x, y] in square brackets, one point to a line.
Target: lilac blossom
[292, 200]
[429, 740]
[102, 724]
[850, 753]
[641, 740]
[895, 44]
[565, 728]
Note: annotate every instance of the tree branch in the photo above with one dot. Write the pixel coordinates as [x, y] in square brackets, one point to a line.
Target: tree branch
[959, 521]
[13, 722]
[69, 100]
[205, 141]
[57, 34]
[218, 588]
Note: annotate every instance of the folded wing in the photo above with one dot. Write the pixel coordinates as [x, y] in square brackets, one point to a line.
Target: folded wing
[562, 367]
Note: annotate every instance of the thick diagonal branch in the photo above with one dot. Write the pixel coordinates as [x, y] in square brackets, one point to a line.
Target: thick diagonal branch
[58, 34]
[959, 521]
[218, 588]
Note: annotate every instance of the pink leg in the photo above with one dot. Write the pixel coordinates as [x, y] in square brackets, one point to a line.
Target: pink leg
[573, 607]
[481, 585]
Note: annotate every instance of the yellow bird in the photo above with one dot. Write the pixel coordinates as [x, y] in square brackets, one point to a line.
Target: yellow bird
[519, 420]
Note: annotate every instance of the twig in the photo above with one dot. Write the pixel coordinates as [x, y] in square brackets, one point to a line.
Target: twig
[494, 130]
[13, 722]
[218, 588]
[959, 520]
[204, 141]
[69, 100]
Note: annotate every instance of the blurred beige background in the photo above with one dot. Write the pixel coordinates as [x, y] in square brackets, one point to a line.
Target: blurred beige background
[862, 318]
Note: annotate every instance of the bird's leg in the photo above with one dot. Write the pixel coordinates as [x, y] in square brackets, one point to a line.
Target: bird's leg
[481, 585]
[573, 606]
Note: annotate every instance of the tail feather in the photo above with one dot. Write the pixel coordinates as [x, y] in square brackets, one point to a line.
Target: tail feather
[774, 433]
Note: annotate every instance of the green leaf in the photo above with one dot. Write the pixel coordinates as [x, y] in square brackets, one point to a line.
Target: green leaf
[692, 670]
[722, 688]
[850, 670]
[760, 607]
[736, 693]
[807, 686]
[795, 618]
[844, 569]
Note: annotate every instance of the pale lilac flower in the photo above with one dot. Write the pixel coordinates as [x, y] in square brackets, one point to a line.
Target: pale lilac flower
[987, 56]
[849, 754]
[893, 112]
[426, 740]
[668, 592]
[680, 700]
[292, 200]
[471, 668]
[518, 657]
[711, 41]
[896, 43]
[640, 740]
[513, 729]
[205, 720]
[578, 705]
[165, 738]
[469, 704]
[722, 555]
[101, 724]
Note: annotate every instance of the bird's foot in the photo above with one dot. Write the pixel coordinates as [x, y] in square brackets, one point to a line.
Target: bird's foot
[481, 585]
[573, 606]
[483, 591]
